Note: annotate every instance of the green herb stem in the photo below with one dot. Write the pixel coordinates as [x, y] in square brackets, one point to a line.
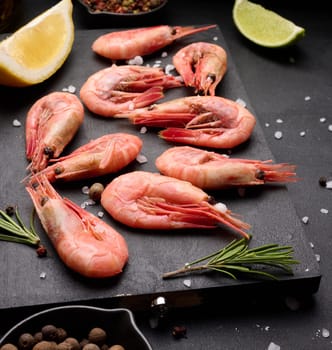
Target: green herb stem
[237, 257]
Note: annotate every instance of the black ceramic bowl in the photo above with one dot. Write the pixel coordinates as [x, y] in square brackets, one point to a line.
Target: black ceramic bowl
[112, 19]
[79, 320]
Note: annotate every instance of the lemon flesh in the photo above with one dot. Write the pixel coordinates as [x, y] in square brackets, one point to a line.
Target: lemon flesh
[38, 49]
[264, 27]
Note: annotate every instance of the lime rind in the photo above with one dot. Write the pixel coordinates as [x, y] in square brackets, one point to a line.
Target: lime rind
[265, 27]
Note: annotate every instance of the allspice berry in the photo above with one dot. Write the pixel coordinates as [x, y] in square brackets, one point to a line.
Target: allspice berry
[26, 341]
[97, 336]
[74, 344]
[50, 332]
[45, 345]
[117, 347]
[8, 346]
[91, 346]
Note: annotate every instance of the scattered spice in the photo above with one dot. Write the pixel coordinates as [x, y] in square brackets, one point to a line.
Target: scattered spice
[124, 6]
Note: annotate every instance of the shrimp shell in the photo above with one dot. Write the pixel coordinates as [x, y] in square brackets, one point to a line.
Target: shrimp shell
[152, 201]
[104, 155]
[126, 44]
[206, 121]
[85, 243]
[202, 65]
[210, 170]
[51, 123]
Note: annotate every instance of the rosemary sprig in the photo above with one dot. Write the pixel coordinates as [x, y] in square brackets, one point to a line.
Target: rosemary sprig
[237, 257]
[16, 231]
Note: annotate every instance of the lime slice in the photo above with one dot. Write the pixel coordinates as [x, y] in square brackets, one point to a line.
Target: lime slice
[264, 27]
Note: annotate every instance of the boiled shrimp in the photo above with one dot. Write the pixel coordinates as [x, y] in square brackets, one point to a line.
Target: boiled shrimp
[121, 88]
[104, 155]
[207, 121]
[210, 170]
[85, 243]
[202, 66]
[126, 44]
[152, 201]
[51, 123]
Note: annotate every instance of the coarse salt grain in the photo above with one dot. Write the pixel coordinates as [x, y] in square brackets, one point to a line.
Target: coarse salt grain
[325, 333]
[302, 133]
[187, 283]
[85, 189]
[278, 135]
[100, 214]
[241, 102]
[221, 207]
[322, 120]
[311, 245]
[215, 38]
[169, 68]
[329, 128]
[142, 159]
[328, 184]
[324, 211]
[307, 98]
[164, 54]
[136, 61]
[317, 256]
[305, 219]
[143, 130]
[279, 121]
[42, 275]
[16, 122]
[267, 124]
[273, 346]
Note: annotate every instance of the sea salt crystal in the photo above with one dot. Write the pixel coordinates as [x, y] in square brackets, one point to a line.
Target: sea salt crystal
[169, 68]
[142, 159]
[322, 119]
[143, 130]
[307, 98]
[85, 189]
[305, 219]
[311, 245]
[302, 133]
[325, 333]
[100, 214]
[215, 38]
[137, 60]
[273, 346]
[16, 122]
[329, 128]
[221, 207]
[90, 202]
[324, 211]
[187, 283]
[278, 135]
[164, 54]
[42, 275]
[279, 121]
[241, 102]
[267, 124]
[317, 256]
[328, 184]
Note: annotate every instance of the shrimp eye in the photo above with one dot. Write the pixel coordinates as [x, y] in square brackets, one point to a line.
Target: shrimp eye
[212, 77]
[260, 174]
[48, 151]
[211, 200]
[43, 200]
[174, 31]
[58, 171]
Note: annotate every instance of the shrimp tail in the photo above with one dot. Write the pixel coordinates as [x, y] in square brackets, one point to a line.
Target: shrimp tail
[189, 30]
[282, 172]
[148, 97]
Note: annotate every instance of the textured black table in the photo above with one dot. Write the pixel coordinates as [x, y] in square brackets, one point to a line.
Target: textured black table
[292, 85]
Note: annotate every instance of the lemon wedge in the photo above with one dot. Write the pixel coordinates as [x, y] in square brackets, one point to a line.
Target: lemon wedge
[38, 49]
[264, 27]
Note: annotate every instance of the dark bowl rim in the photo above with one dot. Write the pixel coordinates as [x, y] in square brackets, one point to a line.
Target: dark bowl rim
[125, 15]
[77, 307]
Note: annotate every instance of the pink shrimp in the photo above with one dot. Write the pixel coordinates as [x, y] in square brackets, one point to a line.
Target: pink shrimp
[207, 121]
[210, 170]
[121, 88]
[104, 155]
[202, 66]
[126, 44]
[152, 201]
[85, 243]
[51, 123]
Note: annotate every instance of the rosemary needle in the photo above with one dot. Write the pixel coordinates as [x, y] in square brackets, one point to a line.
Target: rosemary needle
[16, 231]
[236, 257]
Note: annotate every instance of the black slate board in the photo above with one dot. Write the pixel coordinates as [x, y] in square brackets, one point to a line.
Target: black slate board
[268, 209]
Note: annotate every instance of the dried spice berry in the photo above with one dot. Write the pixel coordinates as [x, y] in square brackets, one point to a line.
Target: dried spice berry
[97, 336]
[26, 341]
[8, 346]
[50, 332]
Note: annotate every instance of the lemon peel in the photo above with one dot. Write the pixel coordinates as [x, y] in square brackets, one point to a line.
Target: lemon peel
[264, 27]
[38, 49]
